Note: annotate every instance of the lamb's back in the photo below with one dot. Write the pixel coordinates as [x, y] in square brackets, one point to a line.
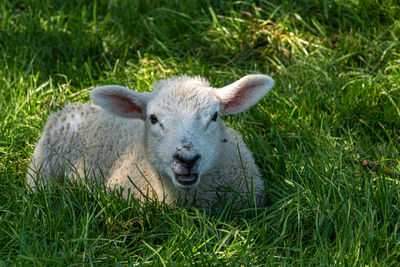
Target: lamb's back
[83, 139]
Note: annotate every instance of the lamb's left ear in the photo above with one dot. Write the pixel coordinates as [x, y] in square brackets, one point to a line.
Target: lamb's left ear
[121, 101]
[244, 93]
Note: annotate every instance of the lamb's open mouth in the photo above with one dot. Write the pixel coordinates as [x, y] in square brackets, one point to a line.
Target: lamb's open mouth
[187, 179]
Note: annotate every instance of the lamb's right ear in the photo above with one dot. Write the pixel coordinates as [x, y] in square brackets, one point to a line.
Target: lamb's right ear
[121, 101]
[244, 93]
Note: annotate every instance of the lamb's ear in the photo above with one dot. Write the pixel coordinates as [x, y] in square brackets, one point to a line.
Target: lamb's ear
[121, 101]
[244, 93]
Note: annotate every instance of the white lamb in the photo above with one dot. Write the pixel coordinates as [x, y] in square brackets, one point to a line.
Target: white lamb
[168, 144]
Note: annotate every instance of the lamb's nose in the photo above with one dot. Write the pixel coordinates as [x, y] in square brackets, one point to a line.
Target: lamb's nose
[186, 162]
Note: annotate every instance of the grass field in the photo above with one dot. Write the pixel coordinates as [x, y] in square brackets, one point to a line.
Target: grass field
[336, 102]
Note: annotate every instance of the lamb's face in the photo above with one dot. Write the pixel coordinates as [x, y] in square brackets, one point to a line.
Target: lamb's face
[183, 128]
[183, 132]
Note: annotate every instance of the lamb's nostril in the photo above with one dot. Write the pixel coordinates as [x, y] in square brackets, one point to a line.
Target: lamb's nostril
[187, 162]
[195, 158]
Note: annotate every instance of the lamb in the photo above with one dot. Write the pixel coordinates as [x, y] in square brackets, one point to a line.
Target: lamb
[168, 144]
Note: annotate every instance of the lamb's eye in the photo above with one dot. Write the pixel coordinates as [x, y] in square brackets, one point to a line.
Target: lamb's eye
[153, 119]
[214, 118]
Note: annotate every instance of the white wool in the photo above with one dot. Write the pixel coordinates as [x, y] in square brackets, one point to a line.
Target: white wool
[170, 143]
[74, 122]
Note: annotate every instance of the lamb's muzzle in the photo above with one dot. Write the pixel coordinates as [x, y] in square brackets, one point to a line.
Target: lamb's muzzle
[186, 168]
[186, 162]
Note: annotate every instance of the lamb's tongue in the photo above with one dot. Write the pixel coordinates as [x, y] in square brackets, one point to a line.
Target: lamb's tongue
[187, 179]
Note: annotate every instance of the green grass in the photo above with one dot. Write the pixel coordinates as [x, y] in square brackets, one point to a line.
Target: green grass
[336, 102]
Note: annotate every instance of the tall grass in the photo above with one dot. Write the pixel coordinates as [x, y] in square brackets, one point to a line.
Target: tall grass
[337, 68]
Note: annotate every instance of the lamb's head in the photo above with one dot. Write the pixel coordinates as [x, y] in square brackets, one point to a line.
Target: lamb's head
[183, 130]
